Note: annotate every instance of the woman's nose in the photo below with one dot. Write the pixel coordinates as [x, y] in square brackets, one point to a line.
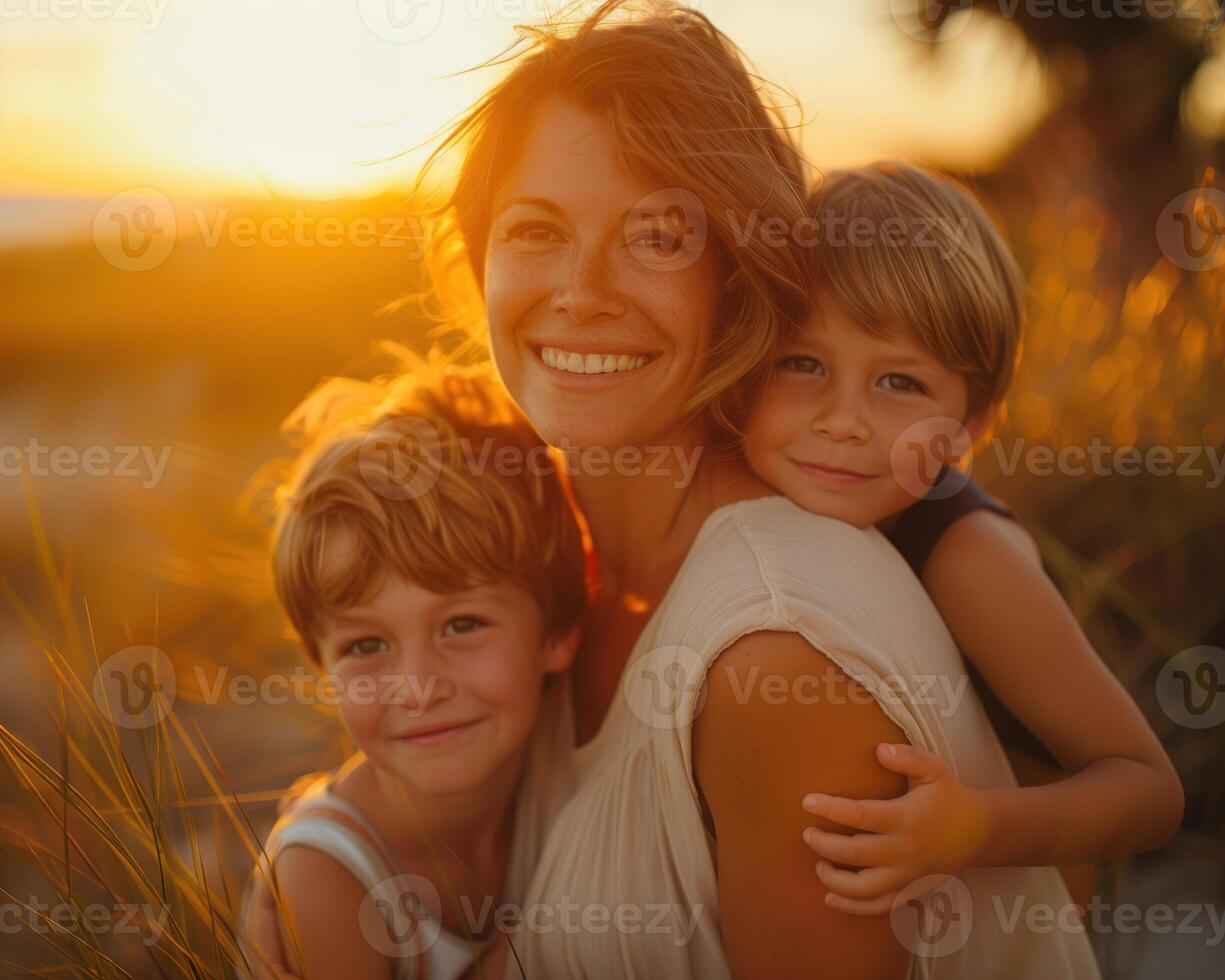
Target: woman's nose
[587, 294]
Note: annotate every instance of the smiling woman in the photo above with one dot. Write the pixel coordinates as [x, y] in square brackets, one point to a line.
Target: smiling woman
[667, 226]
[558, 273]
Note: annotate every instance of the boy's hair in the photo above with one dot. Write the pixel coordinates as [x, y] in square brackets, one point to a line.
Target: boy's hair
[433, 475]
[901, 246]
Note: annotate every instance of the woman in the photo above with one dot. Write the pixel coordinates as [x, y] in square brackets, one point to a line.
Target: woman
[619, 207]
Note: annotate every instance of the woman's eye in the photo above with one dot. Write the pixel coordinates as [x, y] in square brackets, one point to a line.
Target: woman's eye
[803, 365]
[532, 233]
[366, 646]
[903, 382]
[458, 625]
[658, 242]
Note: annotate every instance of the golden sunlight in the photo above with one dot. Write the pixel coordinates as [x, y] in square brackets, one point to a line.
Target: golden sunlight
[325, 98]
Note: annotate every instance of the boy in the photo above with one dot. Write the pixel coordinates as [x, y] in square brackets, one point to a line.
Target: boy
[441, 592]
[899, 369]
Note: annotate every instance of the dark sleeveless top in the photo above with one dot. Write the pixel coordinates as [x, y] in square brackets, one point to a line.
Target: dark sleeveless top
[914, 534]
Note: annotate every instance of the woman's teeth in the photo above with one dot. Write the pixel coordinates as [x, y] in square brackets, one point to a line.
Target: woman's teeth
[563, 360]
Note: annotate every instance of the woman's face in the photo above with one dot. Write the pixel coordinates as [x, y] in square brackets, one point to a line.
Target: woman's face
[600, 288]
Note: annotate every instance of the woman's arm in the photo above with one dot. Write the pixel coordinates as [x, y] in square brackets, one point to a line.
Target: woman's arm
[754, 759]
[1009, 619]
[1123, 795]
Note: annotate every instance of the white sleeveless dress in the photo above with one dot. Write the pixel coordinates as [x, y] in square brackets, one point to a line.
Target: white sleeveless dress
[632, 836]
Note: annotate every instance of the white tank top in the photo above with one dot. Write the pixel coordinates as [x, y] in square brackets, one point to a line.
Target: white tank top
[632, 835]
[323, 820]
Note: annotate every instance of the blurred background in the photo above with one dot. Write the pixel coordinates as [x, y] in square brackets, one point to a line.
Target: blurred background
[205, 209]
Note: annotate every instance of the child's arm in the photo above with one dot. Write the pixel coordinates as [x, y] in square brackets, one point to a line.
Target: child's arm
[1122, 796]
[322, 900]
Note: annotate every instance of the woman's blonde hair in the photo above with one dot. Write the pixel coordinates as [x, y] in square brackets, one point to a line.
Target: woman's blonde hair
[680, 104]
[898, 246]
[431, 474]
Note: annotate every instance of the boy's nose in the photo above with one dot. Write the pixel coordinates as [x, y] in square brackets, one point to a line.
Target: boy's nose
[424, 683]
[841, 418]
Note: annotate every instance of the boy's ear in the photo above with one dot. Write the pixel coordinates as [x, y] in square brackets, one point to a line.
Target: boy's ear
[559, 650]
[978, 424]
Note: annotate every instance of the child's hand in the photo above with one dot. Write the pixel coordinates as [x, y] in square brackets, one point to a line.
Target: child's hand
[937, 827]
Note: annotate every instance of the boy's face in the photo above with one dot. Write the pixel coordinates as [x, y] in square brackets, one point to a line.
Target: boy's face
[441, 689]
[847, 426]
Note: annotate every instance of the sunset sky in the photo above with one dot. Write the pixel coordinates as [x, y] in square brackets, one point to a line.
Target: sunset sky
[296, 97]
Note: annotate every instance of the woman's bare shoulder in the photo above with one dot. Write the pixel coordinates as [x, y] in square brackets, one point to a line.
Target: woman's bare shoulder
[781, 720]
[772, 691]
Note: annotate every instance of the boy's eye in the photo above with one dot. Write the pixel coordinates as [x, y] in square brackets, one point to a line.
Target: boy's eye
[803, 364]
[458, 625]
[903, 382]
[366, 646]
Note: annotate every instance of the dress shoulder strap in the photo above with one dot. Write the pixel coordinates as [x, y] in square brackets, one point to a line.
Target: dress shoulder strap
[328, 823]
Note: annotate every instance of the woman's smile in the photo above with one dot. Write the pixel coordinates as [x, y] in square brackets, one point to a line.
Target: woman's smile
[590, 367]
[591, 362]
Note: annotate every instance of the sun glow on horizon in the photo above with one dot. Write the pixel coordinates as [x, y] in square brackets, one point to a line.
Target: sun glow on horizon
[304, 98]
